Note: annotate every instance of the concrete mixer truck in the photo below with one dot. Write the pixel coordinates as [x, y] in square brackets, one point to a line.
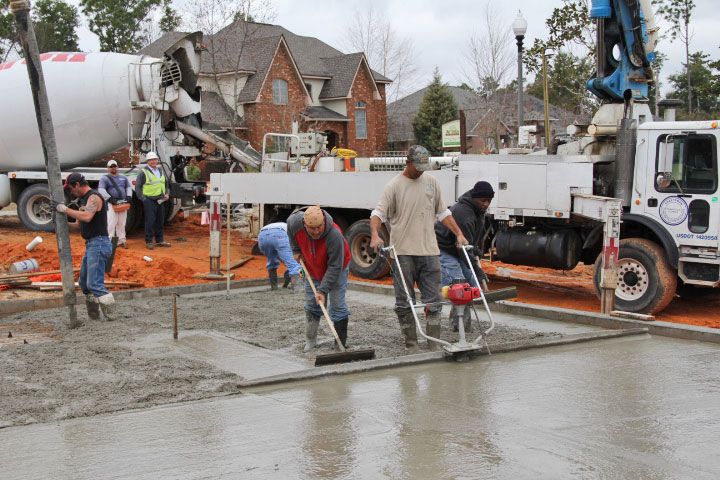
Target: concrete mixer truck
[101, 102]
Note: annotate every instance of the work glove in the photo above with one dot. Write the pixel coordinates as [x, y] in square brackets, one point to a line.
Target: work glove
[61, 207]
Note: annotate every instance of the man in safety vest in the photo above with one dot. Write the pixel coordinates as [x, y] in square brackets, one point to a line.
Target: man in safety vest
[152, 187]
[326, 254]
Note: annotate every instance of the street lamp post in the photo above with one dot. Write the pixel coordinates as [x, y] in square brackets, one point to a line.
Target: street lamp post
[519, 28]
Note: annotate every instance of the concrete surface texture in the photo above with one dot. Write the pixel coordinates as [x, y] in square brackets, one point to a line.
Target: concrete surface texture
[134, 362]
[632, 408]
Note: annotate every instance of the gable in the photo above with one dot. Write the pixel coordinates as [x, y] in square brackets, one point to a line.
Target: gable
[256, 83]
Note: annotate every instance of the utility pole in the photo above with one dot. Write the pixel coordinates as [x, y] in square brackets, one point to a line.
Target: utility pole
[26, 34]
[546, 101]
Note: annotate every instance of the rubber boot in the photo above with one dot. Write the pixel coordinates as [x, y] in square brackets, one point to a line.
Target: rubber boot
[341, 329]
[273, 279]
[296, 283]
[286, 279]
[93, 307]
[407, 327]
[433, 329]
[311, 328]
[107, 305]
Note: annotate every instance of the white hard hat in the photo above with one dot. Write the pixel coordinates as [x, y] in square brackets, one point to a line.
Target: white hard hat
[112, 163]
[151, 156]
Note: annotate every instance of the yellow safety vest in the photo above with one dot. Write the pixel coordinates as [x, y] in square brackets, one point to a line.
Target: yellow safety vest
[153, 186]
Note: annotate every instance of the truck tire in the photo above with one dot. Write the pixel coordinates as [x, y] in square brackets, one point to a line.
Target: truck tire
[364, 262]
[646, 283]
[35, 208]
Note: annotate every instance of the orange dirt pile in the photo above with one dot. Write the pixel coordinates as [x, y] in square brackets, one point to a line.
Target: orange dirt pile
[188, 256]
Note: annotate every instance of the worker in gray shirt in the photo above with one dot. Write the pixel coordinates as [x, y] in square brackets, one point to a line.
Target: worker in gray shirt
[116, 190]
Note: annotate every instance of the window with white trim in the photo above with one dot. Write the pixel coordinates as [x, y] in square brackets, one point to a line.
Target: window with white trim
[360, 120]
[280, 92]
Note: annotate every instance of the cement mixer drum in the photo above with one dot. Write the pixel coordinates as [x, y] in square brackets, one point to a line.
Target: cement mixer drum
[88, 95]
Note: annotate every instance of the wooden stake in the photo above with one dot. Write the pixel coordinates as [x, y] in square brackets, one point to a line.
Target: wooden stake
[227, 274]
[175, 322]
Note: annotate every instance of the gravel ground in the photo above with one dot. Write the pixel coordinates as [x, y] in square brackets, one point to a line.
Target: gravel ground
[97, 369]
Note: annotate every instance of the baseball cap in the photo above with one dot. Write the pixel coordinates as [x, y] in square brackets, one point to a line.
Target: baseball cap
[314, 216]
[73, 178]
[420, 157]
[112, 163]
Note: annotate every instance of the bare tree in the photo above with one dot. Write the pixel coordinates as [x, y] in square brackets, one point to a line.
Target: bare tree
[488, 55]
[388, 53]
[678, 14]
[226, 51]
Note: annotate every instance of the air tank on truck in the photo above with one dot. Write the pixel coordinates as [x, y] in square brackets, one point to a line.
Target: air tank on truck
[101, 102]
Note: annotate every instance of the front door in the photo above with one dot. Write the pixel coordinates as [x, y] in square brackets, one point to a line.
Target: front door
[689, 206]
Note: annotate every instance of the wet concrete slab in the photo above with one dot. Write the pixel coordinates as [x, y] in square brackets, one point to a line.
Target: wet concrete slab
[636, 407]
[226, 353]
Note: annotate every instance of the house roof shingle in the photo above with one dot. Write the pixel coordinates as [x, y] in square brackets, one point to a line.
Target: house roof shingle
[158, 47]
[324, 113]
[345, 68]
[217, 112]
[309, 53]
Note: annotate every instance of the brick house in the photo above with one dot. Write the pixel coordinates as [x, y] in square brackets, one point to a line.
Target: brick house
[490, 124]
[258, 78]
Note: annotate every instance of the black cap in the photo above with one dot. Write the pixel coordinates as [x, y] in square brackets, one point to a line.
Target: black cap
[482, 190]
[74, 178]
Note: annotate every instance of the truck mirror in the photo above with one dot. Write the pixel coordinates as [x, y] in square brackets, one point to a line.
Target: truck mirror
[666, 154]
[664, 180]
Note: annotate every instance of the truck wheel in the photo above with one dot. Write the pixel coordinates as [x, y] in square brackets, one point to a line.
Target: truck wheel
[646, 283]
[364, 263]
[35, 208]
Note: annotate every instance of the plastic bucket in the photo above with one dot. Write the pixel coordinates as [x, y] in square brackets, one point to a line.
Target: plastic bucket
[29, 265]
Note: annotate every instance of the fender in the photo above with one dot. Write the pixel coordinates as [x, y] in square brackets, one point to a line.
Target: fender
[666, 240]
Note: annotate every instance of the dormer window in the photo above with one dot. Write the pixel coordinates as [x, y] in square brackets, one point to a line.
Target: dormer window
[280, 92]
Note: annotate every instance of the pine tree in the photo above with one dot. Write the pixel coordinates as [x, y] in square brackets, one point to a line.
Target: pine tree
[437, 107]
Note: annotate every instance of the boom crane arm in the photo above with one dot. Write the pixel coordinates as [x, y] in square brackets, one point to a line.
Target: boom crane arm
[626, 39]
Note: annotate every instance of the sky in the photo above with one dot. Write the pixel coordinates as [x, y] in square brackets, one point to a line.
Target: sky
[440, 30]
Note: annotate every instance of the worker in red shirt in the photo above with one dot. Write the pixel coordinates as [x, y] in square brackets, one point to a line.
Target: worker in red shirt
[326, 255]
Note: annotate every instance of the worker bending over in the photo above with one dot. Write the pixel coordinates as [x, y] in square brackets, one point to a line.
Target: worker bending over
[274, 243]
[410, 204]
[326, 254]
[469, 214]
[93, 228]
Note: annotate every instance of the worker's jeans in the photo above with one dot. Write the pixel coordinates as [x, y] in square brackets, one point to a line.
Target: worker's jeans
[154, 219]
[92, 270]
[337, 308]
[275, 245]
[116, 224]
[454, 268]
[423, 270]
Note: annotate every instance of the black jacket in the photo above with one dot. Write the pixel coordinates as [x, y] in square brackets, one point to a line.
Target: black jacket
[469, 218]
